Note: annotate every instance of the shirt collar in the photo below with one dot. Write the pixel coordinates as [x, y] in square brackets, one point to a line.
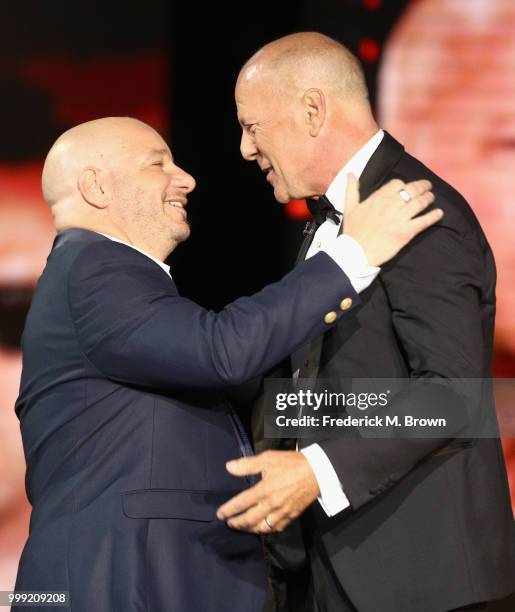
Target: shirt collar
[336, 190]
[159, 263]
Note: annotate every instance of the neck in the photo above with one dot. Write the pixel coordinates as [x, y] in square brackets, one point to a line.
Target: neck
[342, 150]
[158, 251]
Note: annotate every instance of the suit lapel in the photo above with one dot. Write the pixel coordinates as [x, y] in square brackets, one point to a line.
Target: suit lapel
[380, 165]
[309, 232]
[386, 156]
[298, 358]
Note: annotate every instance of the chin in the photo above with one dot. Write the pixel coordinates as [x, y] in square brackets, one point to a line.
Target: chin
[281, 196]
[182, 234]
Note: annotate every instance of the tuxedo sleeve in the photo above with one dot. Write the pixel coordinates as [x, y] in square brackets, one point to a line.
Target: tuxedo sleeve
[135, 328]
[434, 288]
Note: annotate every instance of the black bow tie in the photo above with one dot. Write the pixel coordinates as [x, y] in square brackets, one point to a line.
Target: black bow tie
[322, 209]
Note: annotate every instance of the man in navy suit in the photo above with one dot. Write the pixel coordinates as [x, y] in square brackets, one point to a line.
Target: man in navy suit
[125, 428]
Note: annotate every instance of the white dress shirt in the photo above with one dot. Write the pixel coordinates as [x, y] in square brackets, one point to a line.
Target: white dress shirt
[332, 497]
[161, 264]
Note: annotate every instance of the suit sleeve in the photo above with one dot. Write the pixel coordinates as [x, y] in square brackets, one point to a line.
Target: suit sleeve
[134, 327]
[435, 288]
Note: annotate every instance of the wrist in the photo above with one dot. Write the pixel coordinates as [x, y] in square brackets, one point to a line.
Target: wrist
[309, 477]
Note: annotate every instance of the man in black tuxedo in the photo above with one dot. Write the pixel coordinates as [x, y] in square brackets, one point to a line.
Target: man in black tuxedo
[125, 426]
[419, 525]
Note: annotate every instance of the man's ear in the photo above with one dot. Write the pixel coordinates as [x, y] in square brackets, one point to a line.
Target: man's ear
[315, 110]
[92, 185]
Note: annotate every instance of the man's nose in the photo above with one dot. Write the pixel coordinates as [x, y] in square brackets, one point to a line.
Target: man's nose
[183, 180]
[189, 182]
[247, 147]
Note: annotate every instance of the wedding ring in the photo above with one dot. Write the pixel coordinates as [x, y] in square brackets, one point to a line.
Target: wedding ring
[405, 195]
[267, 521]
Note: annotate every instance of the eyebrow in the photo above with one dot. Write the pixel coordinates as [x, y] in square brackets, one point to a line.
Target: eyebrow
[155, 152]
[244, 123]
[158, 151]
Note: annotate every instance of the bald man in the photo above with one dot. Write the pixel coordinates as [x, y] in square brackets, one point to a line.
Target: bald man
[399, 525]
[125, 428]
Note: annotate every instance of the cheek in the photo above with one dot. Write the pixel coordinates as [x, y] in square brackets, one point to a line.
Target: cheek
[153, 181]
[300, 160]
[264, 143]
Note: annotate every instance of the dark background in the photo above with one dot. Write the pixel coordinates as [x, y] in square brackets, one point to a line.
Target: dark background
[235, 220]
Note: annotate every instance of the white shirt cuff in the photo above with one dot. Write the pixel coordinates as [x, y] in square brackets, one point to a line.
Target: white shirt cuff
[332, 498]
[351, 258]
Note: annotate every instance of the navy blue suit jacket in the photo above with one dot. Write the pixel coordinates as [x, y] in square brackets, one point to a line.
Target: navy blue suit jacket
[126, 431]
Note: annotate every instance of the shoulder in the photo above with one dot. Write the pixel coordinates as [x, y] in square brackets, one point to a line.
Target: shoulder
[458, 215]
[108, 264]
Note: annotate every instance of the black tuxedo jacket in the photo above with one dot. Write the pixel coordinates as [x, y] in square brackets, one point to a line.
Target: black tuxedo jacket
[427, 531]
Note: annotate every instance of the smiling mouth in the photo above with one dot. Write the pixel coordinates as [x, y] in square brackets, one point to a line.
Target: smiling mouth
[177, 204]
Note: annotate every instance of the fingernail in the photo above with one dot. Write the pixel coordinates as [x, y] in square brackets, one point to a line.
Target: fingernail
[231, 465]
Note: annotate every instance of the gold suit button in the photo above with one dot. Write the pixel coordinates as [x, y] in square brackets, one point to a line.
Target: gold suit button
[330, 317]
[346, 304]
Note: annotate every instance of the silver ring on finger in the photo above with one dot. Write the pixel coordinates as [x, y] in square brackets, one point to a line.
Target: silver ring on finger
[405, 195]
[267, 521]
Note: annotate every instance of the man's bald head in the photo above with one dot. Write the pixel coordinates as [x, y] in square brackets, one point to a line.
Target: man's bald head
[99, 143]
[304, 110]
[305, 60]
[116, 176]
